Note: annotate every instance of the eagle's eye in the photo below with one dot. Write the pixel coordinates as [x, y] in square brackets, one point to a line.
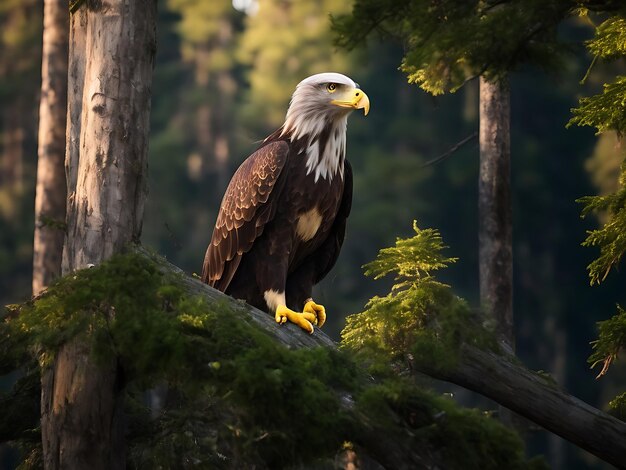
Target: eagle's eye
[331, 87]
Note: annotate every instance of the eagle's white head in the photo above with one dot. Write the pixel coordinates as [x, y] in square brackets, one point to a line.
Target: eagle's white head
[318, 114]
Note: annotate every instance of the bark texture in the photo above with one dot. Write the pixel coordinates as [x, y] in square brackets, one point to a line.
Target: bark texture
[51, 186]
[495, 251]
[112, 47]
[109, 118]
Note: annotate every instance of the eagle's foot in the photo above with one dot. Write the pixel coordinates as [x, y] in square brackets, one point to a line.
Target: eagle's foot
[318, 311]
[302, 319]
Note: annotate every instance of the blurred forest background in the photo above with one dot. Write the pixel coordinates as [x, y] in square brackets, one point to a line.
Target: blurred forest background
[225, 71]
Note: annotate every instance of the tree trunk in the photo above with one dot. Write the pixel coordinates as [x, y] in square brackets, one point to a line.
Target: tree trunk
[12, 157]
[495, 252]
[109, 157]
[51, 186]
[212, 117]
[112, 48]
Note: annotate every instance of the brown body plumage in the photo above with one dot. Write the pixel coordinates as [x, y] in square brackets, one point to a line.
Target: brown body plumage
[282, 220]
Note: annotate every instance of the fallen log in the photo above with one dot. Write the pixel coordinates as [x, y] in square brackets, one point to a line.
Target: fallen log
[499, 377]
[536, 397]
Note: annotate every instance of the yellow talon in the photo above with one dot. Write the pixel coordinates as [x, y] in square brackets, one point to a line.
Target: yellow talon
[310, 317]
[280, 318]
[301, 319]
[317, 310]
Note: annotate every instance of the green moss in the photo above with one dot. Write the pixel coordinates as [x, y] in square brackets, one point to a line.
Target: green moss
[464, 438]
[236, 398]
[127, 309]
[94, 305]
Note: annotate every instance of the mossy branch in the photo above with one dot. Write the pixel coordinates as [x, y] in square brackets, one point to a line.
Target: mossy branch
[506, 381]
[422, 326]
[241, 390]
[262, 387]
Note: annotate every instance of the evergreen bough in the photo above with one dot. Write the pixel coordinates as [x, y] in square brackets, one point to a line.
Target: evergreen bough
[607, 113]
[449, 42]
[420, 319]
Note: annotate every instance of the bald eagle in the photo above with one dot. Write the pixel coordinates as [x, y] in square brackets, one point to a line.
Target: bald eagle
[282, 220]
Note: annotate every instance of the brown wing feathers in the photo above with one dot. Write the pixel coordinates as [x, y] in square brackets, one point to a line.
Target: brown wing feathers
[245, 210]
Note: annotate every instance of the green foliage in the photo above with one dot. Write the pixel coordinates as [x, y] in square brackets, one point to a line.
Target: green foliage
[258, 404]
[420, 319]
[610, 238]
[235, 399]
[126, 308]
[177, 438]
[611, 340]
[610, 39]
[119, 299]
[606, 111]
[617, 406]
[413, 259]
[464, 438]
[451, 41]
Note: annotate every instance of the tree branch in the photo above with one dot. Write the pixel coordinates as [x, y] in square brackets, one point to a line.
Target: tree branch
[452, 149]
[537, 398]
[288, 334]
[388, 451]
[501, 378]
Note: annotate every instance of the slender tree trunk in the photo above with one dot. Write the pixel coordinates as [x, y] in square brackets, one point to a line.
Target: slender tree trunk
[494, 209]
[204, 114]
[12, 156]
[112, 48]
[51, 186]
[212, 118]
[226, 88]
[224, 84]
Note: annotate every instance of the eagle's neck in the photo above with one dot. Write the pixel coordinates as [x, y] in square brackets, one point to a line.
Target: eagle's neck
[321, 142]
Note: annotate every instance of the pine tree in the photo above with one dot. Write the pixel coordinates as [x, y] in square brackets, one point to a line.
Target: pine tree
[51, 192]
[447, 44]
[20, 72]
[607, 113]
[110, 73]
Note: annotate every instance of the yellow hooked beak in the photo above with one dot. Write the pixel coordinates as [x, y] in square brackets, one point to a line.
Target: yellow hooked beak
[355, 99]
